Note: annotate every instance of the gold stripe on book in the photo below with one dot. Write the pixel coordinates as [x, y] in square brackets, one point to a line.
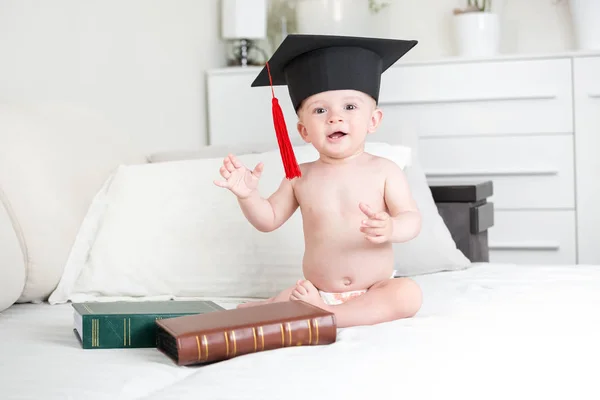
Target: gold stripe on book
[205, 347]
[262, 337]
[234, 343]
[316, 329]
[87, 308]
[309, 331]
[199, 348]
[289, 333]
[254, 333]
[124, 332]
[129, 332]
[94, 332]
[98, 333]
[226, 344]
[282, 336]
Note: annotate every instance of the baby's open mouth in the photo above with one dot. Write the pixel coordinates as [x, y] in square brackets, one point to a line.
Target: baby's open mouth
[336, 135]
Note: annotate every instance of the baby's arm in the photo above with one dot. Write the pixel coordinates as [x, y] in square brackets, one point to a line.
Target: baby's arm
[264, 214]
[269, 214]
[403, 210]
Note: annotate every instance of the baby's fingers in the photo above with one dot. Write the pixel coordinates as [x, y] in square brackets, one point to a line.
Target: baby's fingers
[224, 172]
[373, 223]
[258, 170]
[235, 161]
[228, 164]
[223, 184]
[366, 210]
[371, 231]
[376, 239]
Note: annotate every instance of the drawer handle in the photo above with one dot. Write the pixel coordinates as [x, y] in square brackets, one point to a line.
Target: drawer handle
[536, 246]
[506, 172]
[594, 95]
[469, 99]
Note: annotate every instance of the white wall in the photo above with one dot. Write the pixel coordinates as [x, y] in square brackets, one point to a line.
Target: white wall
[529, 26]
[140, 62]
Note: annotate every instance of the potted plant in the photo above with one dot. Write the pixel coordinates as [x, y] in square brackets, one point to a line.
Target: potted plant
[477, 29]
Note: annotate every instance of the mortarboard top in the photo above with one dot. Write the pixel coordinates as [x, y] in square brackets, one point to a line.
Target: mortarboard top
[310, 64]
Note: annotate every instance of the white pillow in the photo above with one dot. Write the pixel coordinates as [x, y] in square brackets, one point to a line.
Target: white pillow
[166, 231]
[433, 250]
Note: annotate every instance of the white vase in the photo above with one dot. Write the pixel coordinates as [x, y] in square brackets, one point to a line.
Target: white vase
[333, 17]
[586, 23]
[477, 34]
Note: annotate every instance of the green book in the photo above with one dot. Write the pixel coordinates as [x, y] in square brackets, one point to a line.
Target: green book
[129, 324]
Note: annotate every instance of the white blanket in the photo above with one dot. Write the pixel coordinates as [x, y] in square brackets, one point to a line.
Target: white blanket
[493, 331]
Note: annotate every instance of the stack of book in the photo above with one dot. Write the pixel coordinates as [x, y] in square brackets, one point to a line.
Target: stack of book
[201, 332]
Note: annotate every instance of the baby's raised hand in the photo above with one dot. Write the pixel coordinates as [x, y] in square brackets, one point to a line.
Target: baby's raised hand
[239, 179]
[378, 226]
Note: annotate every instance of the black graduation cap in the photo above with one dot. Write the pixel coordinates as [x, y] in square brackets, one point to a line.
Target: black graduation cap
[311, 64]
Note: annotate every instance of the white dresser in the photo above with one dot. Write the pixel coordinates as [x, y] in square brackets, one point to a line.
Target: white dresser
[529, 124]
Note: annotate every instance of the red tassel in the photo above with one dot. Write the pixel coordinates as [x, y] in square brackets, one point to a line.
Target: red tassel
[290, 165]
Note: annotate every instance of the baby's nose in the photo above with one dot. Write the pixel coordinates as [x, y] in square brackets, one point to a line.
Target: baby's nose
[335, 118]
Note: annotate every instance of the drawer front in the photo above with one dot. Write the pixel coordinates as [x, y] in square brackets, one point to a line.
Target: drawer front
[587, 139]
[533, 237]
[478, 98]
[528, 172]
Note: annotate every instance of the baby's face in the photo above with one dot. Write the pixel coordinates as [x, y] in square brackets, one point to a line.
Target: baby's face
[337, 122]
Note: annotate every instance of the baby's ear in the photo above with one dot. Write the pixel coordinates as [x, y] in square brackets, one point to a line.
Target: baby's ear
[376, 118]
[302, 131]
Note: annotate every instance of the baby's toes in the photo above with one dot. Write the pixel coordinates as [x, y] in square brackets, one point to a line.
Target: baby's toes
[301, 290]
[295, 295]
[308, 286]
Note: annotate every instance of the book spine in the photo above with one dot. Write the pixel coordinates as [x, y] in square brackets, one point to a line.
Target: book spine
[119, 331]
[214, 346]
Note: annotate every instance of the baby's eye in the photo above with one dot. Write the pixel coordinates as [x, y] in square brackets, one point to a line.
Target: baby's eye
[319, 110]
[350, 107]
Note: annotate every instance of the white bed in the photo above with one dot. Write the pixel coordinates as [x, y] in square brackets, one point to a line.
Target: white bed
[493, 331]
[489, 331]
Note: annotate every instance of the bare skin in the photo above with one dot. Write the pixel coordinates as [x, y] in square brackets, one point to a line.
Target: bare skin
[354, 205]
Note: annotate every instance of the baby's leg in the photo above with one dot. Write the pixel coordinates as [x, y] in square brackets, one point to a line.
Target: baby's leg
[385, 301]
[283, 296]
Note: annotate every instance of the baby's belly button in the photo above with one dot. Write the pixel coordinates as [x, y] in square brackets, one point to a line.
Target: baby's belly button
[336, 284]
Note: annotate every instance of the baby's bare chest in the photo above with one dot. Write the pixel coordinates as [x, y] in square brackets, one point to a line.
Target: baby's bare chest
[339, 197]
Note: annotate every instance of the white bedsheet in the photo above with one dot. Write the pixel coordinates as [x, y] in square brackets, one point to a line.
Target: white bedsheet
[493, 331]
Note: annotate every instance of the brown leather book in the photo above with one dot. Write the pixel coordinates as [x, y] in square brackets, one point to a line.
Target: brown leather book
[220, 335]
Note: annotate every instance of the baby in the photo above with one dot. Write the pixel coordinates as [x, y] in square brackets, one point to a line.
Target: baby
[354, 205]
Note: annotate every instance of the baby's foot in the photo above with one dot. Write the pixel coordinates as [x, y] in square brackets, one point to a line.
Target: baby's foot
[307, 292]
